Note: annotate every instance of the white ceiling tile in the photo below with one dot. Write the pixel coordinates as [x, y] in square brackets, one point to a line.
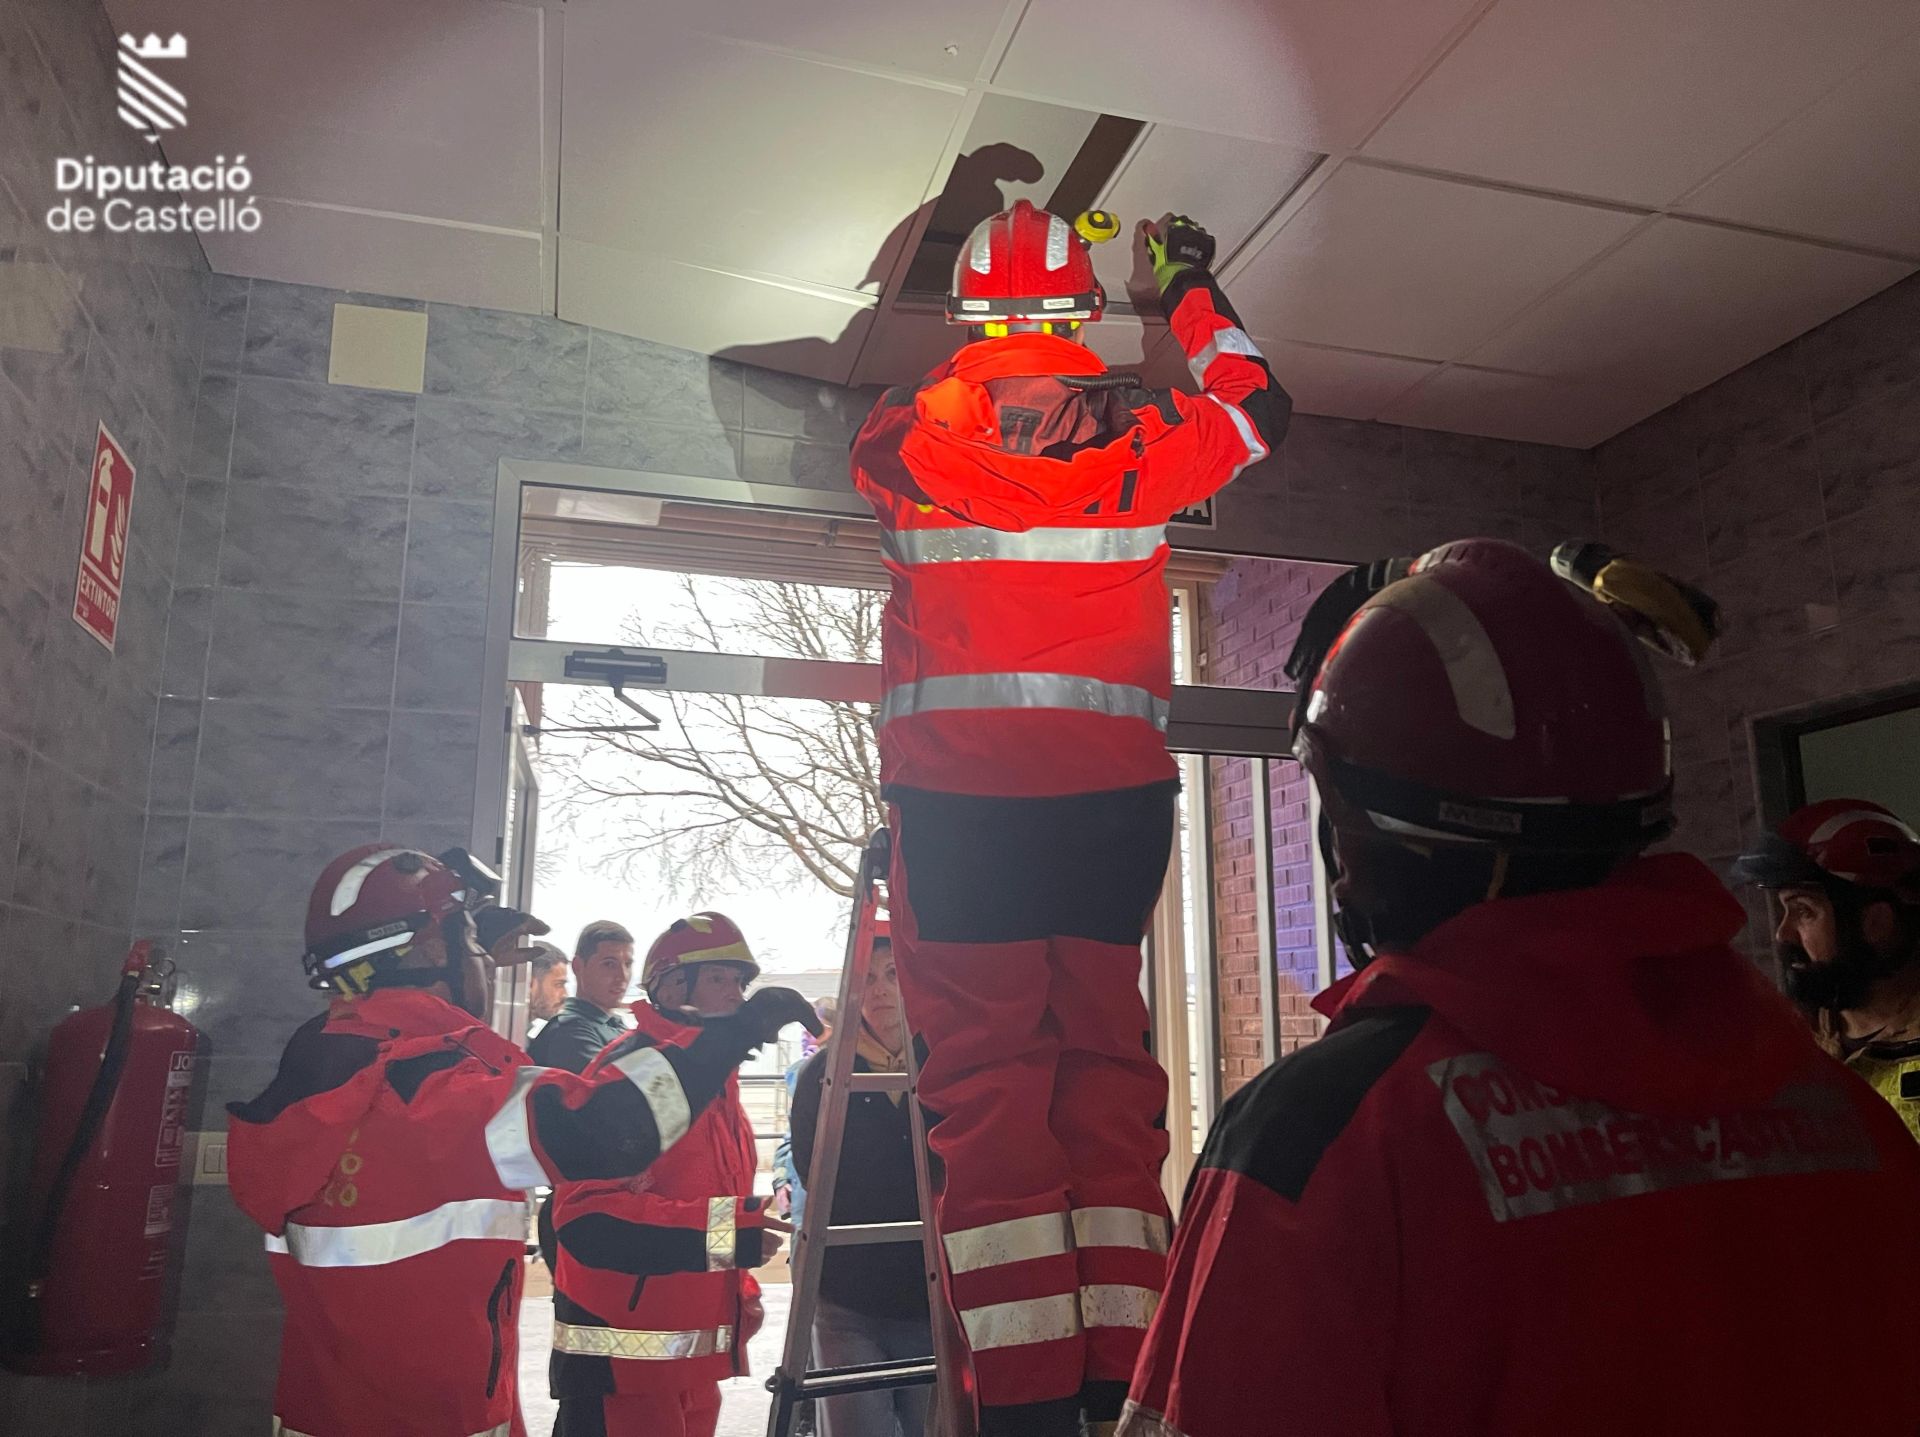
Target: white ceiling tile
[429, 108]
[1339, 382]
[1635, 100]
[1844, 169]
[386, 254]
[802, 331]
[1463, 400]
[912, 38]
[1405, 264]
[1313, 75]
[1683, 303]
[1228, 185]
[737, 158]
[1050, 134]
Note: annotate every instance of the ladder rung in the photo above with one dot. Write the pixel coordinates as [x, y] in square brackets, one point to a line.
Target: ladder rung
[872, 1377]
[861, 1234]
[878, 1083]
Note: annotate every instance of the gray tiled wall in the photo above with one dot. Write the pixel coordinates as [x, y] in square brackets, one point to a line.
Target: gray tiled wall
[1791, 489]
[92, 328]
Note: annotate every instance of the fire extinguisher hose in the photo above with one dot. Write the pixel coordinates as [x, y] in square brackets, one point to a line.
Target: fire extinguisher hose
[106, 1083]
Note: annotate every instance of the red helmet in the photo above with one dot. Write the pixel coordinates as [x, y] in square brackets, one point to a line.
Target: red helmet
[367, 905]
[689, 942]
[1479, 699]
[1024, 264]
[1845, 839]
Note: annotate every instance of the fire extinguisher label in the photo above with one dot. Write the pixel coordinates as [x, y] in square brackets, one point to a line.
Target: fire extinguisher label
[171, 1148]
[160, 1209]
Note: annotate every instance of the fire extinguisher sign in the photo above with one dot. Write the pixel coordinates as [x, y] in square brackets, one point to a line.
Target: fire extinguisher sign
[103, 540]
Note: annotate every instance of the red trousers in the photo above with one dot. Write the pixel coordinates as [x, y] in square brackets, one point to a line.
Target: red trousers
[690, 1412]
[1017, 926]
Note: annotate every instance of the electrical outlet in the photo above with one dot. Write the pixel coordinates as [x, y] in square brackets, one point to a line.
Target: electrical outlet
[210, 1159]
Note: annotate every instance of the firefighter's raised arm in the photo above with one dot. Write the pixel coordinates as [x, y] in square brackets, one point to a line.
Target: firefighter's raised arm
[1241, 414]
[556, 1126]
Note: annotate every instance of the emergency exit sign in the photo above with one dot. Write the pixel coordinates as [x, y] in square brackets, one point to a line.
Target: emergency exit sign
[103, 540]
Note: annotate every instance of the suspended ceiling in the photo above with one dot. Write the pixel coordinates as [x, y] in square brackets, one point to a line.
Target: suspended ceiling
[1540, 219]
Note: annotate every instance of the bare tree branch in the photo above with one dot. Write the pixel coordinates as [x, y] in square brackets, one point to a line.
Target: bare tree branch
[773, 792]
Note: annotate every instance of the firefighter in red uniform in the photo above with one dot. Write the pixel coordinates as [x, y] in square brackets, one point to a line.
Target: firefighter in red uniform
[1023, 493]
[1847, 874]
[640, 1343]
[1565, 1163]
[389, 1159]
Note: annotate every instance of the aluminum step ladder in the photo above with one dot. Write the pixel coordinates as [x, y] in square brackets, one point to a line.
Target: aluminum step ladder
[950, 1414]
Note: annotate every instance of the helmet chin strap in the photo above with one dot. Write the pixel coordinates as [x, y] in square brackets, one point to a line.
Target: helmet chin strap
[1353, 928]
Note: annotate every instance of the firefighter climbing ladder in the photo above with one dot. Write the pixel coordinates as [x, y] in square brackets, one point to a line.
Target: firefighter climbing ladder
[795, 1381]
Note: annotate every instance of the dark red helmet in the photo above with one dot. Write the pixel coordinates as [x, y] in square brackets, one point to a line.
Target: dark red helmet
[1480, 699]
[1845, 840]
[369, 903]
[703, 938]
[1024, 265]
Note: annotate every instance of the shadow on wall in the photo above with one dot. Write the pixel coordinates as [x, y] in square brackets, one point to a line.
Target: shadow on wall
[796, 429]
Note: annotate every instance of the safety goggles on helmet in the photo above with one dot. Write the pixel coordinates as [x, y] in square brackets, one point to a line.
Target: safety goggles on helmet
[1837, 843]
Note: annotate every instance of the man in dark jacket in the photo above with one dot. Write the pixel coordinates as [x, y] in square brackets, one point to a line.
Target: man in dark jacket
[873, 1296]
[1565, 1163]
[589, 1020]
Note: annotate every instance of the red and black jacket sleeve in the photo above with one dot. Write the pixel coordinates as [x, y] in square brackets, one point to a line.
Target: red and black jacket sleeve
[1198, 443]
[556, 1126]
[652, 1235]
[1287, 1247]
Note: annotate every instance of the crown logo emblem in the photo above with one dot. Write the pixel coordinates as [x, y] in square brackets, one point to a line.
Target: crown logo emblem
[154, 48]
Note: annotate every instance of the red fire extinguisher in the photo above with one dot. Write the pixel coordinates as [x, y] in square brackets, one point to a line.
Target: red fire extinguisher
[92, 1295]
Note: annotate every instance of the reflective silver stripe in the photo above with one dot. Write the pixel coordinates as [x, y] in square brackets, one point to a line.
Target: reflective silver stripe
[1112, 1305]
[653, 1075]
[1832, 826]
[1230, 340]
[375, 1244]
[1023, 691]
[280, 1429]
[1035, 546]
[1058, 236]
[1010, 1324]
[510, 1136]
[1119, 1227]
[721, 1246]
[1475, 671]
[980, 248]
[1138, 1421]
[1249, 436]
[636, 1346]
[1019, 1239]
[346, 892]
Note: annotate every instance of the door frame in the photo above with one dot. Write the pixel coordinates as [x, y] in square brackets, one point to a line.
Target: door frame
[1204, 720]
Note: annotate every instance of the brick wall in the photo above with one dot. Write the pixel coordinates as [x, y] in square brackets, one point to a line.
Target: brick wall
[1791, 491]
[1250, 618]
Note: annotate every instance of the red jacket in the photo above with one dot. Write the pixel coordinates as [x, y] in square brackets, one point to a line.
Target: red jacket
[1023, 495]
[632, 1313]
[1569, 1168]
[388, 1163]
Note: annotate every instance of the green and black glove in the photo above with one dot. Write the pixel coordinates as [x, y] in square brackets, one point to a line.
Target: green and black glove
[1175, 245]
